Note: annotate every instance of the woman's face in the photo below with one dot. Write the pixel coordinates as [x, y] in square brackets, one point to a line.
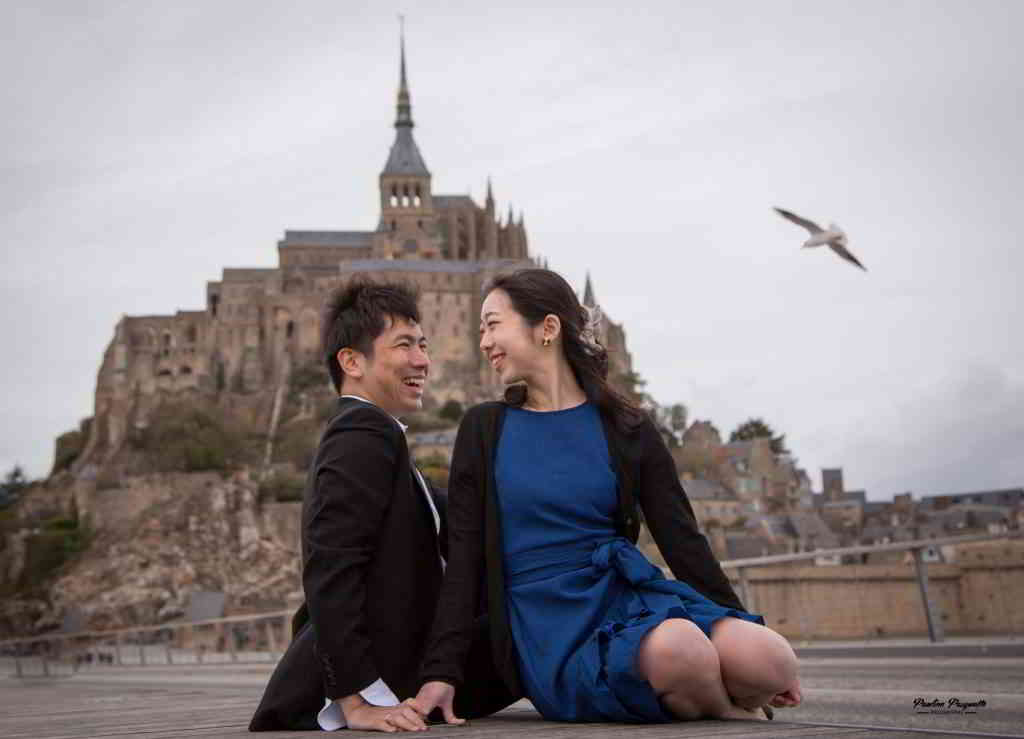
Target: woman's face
[511, 346]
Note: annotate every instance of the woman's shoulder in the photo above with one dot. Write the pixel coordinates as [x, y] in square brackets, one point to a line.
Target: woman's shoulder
[483, 411]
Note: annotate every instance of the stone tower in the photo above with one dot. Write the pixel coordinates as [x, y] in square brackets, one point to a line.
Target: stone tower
[408, 226]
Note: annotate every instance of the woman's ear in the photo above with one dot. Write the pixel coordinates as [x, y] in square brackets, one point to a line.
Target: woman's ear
[551, 327]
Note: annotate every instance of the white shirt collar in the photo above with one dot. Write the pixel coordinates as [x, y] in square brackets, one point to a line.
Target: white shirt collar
[357, 397]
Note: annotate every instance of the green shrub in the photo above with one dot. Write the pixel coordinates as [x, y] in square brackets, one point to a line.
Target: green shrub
[282, 487]
[181, 437]
[437, 475]
[309, 377]
[432, 460]
[451, 411]
[59, 541]
[296, 443]
[69, 446]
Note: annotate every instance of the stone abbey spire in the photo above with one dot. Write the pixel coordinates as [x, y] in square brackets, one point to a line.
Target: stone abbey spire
[408, 220]
[404, 157]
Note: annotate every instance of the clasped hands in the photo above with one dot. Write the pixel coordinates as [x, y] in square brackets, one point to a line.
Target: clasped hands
[409, 715]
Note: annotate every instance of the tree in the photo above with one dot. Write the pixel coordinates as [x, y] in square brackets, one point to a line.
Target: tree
[451, 410]
[678, 417]
[14, 482]
[756, 428]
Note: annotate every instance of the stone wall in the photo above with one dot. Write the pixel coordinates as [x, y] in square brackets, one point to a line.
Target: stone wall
[858, 601]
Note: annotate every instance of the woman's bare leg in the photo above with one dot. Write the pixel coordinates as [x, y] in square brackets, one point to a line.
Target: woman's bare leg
[756, 663]
[683, 667]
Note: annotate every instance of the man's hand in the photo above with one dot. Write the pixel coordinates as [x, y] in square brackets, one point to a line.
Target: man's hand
[362, 715]
[437, 694]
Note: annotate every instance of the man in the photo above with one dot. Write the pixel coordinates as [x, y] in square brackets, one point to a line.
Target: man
[371, 545]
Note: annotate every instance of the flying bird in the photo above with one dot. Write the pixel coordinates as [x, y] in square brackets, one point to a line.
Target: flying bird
[834, 237]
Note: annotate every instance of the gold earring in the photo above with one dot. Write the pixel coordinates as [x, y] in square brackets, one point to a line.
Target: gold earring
[547, 341]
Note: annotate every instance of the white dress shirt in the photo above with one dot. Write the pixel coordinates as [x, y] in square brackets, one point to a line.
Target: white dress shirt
[378, 693]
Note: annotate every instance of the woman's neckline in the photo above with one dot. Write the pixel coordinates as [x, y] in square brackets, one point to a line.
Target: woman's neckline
[552, 413]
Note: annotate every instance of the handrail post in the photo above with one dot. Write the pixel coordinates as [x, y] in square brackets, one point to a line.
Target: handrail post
[228, 630]
[268, 628]
[746, 591]
[921, 569]
[117, 649]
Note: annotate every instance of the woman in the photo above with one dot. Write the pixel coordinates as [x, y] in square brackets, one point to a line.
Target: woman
[542, 497]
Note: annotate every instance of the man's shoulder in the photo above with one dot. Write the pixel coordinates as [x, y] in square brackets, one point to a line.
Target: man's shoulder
[351, 414]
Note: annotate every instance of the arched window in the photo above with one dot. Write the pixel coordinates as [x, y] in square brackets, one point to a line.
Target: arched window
[289, 329]
[185, 370]
[190, 334]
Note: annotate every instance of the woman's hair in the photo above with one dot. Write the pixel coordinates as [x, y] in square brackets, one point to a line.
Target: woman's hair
[536, 293]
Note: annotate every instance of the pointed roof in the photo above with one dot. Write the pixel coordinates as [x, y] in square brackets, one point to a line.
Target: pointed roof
[490, 192]
[588, 293]
[404, 157]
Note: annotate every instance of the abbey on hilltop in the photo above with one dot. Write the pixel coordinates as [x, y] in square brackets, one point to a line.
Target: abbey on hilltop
[260, 325]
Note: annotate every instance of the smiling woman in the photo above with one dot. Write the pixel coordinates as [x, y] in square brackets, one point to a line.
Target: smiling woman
[543, 496]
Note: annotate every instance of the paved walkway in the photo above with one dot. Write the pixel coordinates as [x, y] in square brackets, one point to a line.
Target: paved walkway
[866, 698]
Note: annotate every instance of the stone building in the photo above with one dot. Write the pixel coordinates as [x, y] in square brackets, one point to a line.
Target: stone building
[260, 324]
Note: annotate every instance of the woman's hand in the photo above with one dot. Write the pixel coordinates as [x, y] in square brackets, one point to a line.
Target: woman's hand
[789, 698]
[437, 694]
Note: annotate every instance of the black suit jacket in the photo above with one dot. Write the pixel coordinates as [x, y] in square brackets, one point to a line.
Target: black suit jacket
[645, 472]
[371, 570]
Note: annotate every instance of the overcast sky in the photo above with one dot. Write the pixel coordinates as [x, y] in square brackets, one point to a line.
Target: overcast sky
[148, 145]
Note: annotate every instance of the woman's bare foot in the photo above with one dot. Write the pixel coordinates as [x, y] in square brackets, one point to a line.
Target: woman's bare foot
[746, 714]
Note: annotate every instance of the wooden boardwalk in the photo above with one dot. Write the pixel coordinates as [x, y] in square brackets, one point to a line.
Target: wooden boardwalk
[217, 701]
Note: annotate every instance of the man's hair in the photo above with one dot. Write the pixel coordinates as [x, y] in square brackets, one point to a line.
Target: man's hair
[356, 314]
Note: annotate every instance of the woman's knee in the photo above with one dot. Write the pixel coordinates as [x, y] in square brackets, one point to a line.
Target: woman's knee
[755, 655]
[674, 650]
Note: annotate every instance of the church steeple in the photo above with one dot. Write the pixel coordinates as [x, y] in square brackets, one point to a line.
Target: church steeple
[408, 221]
[405, 157]
[404, 103]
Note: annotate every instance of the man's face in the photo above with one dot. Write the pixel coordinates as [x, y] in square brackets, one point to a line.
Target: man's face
[395, 376]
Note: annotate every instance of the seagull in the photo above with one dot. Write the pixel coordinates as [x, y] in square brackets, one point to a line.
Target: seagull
[834, 237]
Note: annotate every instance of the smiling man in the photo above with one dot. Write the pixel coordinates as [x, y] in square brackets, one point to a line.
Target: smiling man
[373, 557]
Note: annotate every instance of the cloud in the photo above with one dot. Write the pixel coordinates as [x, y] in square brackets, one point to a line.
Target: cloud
[964, 433]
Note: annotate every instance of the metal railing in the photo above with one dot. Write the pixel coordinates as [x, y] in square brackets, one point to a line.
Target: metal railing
[916, 548]
[258, 637]
[262, 637]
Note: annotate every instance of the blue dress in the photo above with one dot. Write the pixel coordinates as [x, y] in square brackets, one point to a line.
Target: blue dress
[579, 597]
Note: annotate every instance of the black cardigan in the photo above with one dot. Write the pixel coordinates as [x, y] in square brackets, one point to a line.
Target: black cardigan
[646, 473]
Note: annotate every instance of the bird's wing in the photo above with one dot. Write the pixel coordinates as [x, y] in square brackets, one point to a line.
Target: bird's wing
[809, 225]
[845, 254]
